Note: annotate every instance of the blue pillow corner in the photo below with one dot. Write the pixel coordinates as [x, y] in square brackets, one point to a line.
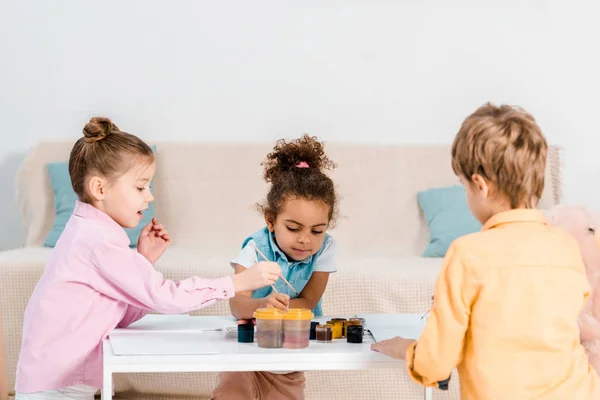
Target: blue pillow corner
[447, 216]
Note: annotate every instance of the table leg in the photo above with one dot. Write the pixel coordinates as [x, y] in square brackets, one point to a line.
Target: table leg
[107, 389]
[428, 393]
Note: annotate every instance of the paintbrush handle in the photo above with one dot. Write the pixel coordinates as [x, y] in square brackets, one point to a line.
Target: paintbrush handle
[259, 252]
[426, 312]
[266, 259]
[289, 284]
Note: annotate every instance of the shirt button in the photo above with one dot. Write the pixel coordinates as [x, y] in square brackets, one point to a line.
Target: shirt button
[224, 293]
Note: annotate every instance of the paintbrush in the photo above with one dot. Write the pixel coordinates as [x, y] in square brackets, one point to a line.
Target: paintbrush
[266, 259]
[427, 312]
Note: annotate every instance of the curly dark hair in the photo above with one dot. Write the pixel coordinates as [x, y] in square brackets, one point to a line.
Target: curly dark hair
[295, 169]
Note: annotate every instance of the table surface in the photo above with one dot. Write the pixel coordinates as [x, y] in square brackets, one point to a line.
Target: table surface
[234, 356]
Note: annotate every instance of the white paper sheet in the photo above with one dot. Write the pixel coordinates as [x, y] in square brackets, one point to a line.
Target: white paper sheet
[388, 326]
[177, 324]
[160, 343]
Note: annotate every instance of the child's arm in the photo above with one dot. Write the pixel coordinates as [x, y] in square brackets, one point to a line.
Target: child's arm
[430, 360]
[316, 285]
[312, 292]
[243, 305]
[440, 346]
[125, 275]
[132, 314]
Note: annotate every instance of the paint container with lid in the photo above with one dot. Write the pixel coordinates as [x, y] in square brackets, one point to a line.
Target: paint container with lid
[344, 321]
[269, 328]
[324, 333]
[245, 333]
[296, 328]
[336, 328]
[313, 330]
[360, 321]
[354, 333]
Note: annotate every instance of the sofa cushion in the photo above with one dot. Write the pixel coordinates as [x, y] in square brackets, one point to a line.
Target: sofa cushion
[447, 216]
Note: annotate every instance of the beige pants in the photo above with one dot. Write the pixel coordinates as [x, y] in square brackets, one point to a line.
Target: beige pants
[77, 392]
[259, 386]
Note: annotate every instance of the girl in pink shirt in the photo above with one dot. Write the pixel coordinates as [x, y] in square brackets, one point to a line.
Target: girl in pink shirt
[93, 282]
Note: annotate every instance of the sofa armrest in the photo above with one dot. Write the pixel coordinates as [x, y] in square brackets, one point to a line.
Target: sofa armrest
[17, 281]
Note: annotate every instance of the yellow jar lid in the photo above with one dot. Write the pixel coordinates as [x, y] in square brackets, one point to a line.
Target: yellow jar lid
[298, 314]
[268, 313]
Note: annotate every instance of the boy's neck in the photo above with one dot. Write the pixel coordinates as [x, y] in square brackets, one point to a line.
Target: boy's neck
[500, 208]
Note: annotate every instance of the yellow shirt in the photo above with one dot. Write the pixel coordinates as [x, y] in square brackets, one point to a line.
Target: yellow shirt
[505, 313]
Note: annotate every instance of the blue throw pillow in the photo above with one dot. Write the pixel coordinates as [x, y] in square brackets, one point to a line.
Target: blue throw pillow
[448, 217]
[64, 204]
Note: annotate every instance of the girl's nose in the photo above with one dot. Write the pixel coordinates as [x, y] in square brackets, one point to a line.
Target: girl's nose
[303, 239]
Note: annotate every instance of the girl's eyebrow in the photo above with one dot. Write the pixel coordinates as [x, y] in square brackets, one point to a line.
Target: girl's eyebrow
[298, 223]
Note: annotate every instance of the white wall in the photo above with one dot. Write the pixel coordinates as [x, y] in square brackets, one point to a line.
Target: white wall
[386, 71]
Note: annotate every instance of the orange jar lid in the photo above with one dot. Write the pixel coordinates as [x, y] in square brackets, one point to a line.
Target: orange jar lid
[298, 314]
[268, 313]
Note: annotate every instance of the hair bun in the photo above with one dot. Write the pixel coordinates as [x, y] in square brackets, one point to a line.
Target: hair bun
[98, 128]
[303, 154]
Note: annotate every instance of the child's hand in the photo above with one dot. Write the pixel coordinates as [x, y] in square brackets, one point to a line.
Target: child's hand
[395, 348]
[278, 300]
[153, 241]
[262, 274]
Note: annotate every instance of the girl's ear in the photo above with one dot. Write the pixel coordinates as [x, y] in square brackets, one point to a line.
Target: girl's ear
[270, 220]
[97, 188]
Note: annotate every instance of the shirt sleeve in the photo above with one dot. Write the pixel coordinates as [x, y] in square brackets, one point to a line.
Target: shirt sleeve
[247, 257]
[125, 275]
[132, 314]
[326, 261]
[439, 349]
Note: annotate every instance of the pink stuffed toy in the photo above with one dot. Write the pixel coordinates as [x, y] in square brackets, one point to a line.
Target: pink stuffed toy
[582, 224]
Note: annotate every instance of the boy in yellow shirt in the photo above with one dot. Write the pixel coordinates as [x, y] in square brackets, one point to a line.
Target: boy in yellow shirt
[507, 298]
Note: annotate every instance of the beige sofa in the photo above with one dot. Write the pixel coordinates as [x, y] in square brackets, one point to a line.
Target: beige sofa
[205, 195]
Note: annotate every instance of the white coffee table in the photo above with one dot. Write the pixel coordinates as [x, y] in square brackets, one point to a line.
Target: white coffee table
[234, 356]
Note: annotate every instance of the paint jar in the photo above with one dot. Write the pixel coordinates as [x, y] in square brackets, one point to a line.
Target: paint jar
[354, 334]
[296, 328]
[269, 328]
[343, 321]
[336, 328]
[360, 321]
[313, 330]
[353, 322]
[245, 333]
[324, 333]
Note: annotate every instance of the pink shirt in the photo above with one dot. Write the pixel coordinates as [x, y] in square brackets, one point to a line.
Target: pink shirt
[94, 282]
